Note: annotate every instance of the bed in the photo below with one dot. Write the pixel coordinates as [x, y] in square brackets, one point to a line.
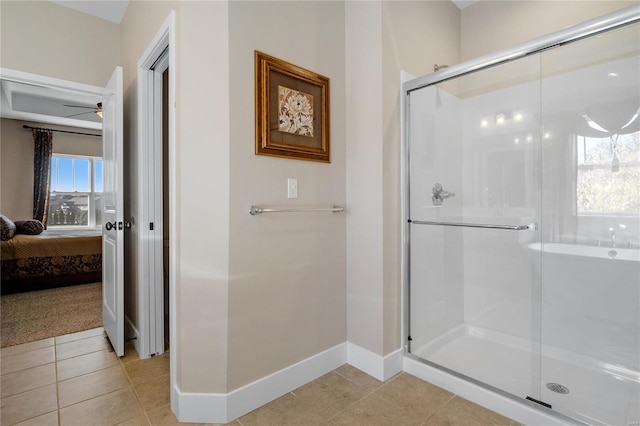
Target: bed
[49, 260]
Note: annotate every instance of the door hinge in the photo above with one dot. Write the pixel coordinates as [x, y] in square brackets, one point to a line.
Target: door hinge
[151, 226]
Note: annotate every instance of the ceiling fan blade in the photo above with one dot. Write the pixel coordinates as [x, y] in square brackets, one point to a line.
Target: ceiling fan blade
[81, 113]
[80, 106]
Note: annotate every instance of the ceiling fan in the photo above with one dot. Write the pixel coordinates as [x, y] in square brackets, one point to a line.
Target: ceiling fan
[93, 110]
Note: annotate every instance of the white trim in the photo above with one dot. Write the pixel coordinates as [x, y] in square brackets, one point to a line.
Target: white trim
[41, 81]
[382, 368]
[404, 214]
[223, 408]
[199, 407]
[508, 407]
[131, 333]
[56, 83]
[150, 316]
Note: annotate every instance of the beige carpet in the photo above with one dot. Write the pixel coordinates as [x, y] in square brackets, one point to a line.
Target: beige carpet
[36, 315]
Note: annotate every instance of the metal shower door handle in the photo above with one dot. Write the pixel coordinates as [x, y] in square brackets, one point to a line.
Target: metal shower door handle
[438, 194]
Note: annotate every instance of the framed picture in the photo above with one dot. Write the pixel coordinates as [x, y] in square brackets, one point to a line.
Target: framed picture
[292, 111]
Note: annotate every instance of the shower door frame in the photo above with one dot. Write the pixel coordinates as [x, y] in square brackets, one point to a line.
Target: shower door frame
[618, 19]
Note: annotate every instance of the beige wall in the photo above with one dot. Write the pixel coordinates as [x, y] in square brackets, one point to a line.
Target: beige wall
[489, 26]
[52, 38]
[382, 39]
[16, 162]
[137, 29]
[287, 281]
[415, 36]
[363, 34]
[202, 168]
[203, 194]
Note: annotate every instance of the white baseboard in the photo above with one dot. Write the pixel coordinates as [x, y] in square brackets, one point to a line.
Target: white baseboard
[382, 368]
[131, 332]
[200, 407]
[223, 408]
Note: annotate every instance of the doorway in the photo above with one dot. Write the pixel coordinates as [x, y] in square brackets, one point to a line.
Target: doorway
[156, 185]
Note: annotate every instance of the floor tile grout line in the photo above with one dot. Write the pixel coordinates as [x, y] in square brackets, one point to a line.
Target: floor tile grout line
[85, 400]
[29, 390]
[355, 382]
[22, 353]
[97, 396]
[367, 393]
[453, 395]
[349, 406]
[135, 393]
[55, 359]
[33, 366]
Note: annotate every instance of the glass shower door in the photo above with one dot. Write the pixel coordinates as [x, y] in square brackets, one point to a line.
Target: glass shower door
[474, 200]
[591, 228]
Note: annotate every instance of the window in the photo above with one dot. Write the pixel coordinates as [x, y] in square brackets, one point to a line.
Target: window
[76, 191]
[609, 175]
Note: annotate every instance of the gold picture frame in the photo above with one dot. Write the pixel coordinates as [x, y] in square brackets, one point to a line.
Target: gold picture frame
[292, 111]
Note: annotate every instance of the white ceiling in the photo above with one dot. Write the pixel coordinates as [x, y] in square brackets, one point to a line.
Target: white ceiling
[111, 10]
[464, 3]
[38, 103]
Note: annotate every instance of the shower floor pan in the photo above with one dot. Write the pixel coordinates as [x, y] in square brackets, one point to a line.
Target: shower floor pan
[598, 393]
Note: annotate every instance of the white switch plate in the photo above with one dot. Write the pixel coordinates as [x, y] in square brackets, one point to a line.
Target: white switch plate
[292, 188]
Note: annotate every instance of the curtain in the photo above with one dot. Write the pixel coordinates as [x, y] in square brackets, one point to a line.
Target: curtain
[43, 143]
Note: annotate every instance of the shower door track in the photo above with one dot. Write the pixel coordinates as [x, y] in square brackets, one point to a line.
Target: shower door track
[628, 15]
[503, 393]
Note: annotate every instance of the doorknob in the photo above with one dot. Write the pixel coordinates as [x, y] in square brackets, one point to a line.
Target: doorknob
[438, 194]
[110, 226]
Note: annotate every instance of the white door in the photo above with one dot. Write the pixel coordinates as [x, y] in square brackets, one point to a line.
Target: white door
[112, 213]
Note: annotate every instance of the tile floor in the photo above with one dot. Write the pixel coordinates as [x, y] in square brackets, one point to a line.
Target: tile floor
[76, 380]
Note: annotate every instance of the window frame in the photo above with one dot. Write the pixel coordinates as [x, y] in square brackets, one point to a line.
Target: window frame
[581, 139]
[92, 193]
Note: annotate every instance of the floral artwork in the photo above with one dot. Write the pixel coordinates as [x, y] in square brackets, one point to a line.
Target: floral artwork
[295, 112]
[291, 111]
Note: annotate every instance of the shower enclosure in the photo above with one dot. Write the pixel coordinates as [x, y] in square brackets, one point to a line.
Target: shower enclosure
[522, 205]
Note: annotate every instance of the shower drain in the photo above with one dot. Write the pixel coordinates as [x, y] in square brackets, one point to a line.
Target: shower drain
[557, 387]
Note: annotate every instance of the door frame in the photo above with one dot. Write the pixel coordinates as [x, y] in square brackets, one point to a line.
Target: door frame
[149, 289]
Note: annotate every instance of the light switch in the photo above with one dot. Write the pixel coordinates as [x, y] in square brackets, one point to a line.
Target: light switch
[292, 188]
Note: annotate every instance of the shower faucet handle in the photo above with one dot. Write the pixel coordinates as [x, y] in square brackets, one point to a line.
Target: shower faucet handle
[438, 194]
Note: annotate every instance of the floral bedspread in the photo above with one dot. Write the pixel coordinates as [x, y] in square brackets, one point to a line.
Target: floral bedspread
[32, 256]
